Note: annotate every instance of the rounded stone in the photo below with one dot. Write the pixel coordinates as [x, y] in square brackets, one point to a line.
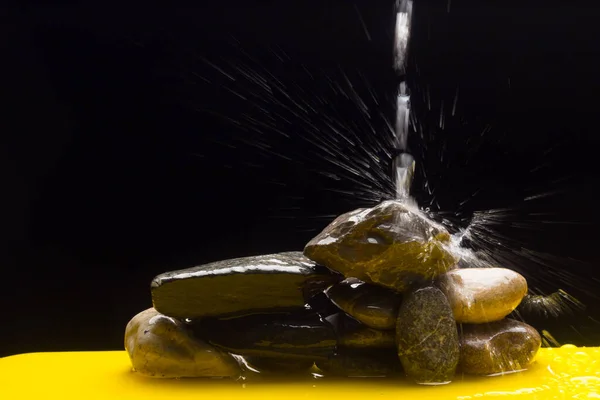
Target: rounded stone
[374, 306]
[498, 347]
[427, 336]
[480, 295]
[161, 346]
[391, 245]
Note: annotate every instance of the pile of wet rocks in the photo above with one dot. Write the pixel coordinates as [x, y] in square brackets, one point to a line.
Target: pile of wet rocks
[377, 293]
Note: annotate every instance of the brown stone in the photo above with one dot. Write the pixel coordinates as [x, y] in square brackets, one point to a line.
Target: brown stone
[498, 347]
[162, 346]
[479, 295]
[391, 245]
[374, 306]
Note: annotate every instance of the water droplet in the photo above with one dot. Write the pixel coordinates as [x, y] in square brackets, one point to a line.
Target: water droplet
[568, 347]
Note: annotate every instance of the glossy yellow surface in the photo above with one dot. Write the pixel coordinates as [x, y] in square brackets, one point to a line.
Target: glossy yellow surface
[563, 373]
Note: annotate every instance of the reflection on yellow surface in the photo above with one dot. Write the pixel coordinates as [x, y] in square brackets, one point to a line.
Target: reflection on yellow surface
[561, 373]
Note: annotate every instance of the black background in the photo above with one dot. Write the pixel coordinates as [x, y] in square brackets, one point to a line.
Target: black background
[127, 151]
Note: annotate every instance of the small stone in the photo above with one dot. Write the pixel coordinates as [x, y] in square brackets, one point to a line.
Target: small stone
[390, 245]
[374, 306]
[361, 364]
[299, 335]
[353, 334]
[240, 286]
[498, 347]
[554, 305]
[479, 295]
[162, 346]
[321, 304]
[427, 336]
[278, 366]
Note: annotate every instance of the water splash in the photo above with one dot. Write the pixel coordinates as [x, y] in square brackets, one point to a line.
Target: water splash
[404, 169]
[333, 118]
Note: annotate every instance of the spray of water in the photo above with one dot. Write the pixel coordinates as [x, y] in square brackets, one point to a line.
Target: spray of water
[272, 105]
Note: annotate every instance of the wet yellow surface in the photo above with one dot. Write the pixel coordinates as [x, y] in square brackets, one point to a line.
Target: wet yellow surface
[563, 373]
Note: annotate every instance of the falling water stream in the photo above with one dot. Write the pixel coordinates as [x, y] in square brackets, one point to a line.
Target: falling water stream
[403, 164]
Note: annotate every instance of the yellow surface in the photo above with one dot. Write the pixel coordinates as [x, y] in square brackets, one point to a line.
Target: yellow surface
[563, 373]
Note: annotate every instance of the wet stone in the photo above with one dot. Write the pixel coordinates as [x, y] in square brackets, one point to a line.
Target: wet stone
[321, 304]
[479, 295]
[361, 364]
[298, 335]
[240, 286]
[554, 305]
[272, 365]
[498, 347]
[353, 334]
[427, 337]
[374, 306]
[162, 346]
[390, 245]
[364, 337]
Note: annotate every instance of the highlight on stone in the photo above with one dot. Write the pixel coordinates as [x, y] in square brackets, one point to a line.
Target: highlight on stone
[378, 293]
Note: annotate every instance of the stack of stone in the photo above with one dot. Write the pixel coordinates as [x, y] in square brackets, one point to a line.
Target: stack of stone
[377, 293]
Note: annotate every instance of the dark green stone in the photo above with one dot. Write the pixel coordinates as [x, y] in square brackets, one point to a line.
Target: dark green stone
[366, 364]
[240, 286]
[374, 306]
[390, 244]
[299, 335]
[427, 337]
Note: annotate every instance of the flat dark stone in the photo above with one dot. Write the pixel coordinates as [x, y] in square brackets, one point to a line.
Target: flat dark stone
[240, 286]
[299, 335]
[277, 366]
[354, 335]
[390, 245]
[361, 364]
[427, 336]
